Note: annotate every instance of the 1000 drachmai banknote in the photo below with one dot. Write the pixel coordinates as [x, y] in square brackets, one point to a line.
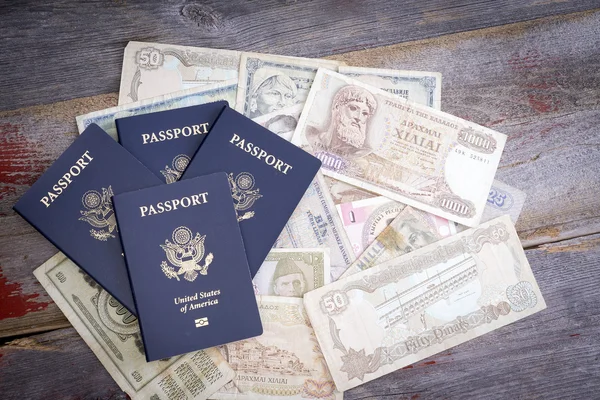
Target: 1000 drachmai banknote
[268, 83]
[113, 334]
[417, 86]
[105, 119]
[292, 272]
[154, 69]
[409, 308]
[410, 230]
[285, 362]
[405, 151]
[316, 224]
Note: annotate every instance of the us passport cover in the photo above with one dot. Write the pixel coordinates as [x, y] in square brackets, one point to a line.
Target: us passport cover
[187, 266]
[165, 141]
[267, 177]
[71, 206]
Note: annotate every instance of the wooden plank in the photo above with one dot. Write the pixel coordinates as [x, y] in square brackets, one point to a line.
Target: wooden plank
[553, 354]
[552, 153]
[58, 50]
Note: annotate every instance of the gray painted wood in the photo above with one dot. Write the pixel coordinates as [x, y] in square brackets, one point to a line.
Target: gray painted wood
[554, 354]
[57, 50]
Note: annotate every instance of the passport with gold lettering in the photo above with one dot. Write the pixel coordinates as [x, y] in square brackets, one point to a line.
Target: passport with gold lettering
[267, 177]
[165, 141]
[71, 206]
[187, 266]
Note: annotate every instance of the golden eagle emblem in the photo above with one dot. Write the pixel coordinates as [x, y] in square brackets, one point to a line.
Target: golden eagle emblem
[99, 213]
[179, 164]
[186, 253]
[243, 193]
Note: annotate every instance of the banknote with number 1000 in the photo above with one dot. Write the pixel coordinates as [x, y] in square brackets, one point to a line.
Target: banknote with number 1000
[408, 152]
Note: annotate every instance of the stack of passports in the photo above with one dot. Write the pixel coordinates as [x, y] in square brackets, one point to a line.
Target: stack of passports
[267, 176]
[165, 141]
[187, 265]
[71, 206]
[180, 257]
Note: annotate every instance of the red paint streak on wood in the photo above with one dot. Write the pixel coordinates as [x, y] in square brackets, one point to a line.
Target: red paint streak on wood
[14, 302]
[429, 363]
[21, 160]
[414, 397]
[408, 367]
[575, 334]
[543, 103]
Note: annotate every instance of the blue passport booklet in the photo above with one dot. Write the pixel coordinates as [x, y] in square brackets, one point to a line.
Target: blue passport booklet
[71, 206]
[165, 141]
[267, 177]
[187, 266]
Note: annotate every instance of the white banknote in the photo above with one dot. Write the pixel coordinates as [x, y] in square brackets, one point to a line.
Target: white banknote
[417, 86]
[503, 199]
[268, 83]
[292, 272]
[113, 334]
[285, 362]
[315, 223]
[282, 122]
[405, 151]
[365, 219]
[410, 230]
[105, 119]
[409, 308]
[154, 69]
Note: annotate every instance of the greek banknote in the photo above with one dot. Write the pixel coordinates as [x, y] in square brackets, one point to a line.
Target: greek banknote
[405, 151]
[155, 69]
[285, 362]
[292, 272]
[436, 297]
[410, 230]
[268, 83]
[365, 219]
[417, 86]
[315, 223]
[282, 122]
[105, 119]
[113, 334]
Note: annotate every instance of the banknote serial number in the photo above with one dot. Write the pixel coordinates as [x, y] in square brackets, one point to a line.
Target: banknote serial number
[472, 156]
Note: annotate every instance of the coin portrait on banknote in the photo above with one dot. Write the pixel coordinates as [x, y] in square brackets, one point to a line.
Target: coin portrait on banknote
[271, 90]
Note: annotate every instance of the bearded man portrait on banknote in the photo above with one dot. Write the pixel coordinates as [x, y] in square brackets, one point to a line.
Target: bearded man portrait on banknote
[271, 91]
[351, 108]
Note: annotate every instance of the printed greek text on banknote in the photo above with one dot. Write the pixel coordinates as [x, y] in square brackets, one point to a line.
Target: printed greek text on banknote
[405, 151]
[315, 223]
[285, 362]
[409, 308]
[154, 69]
[268, 82]
[292, 272]
[410, 230]
[113, 334]
[105, 119]
[365, 219]
[417, 86]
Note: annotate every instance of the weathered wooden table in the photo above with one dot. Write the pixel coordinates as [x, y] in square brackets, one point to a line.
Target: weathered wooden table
[528, 68]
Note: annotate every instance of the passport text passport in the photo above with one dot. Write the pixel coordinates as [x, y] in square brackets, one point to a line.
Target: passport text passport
[267, 177]
[71, 206]
[187, 266]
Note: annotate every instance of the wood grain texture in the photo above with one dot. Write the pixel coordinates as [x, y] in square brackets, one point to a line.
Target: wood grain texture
[552, 355]
[58, 50]
[489, 76]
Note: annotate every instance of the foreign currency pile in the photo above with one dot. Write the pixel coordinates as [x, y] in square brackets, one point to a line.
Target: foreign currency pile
[403, 246]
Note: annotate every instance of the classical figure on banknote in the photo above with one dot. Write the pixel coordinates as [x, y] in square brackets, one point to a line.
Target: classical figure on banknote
[281, 124]
[288, 279]
[414, 235]
[346, 135]
[271, 90]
